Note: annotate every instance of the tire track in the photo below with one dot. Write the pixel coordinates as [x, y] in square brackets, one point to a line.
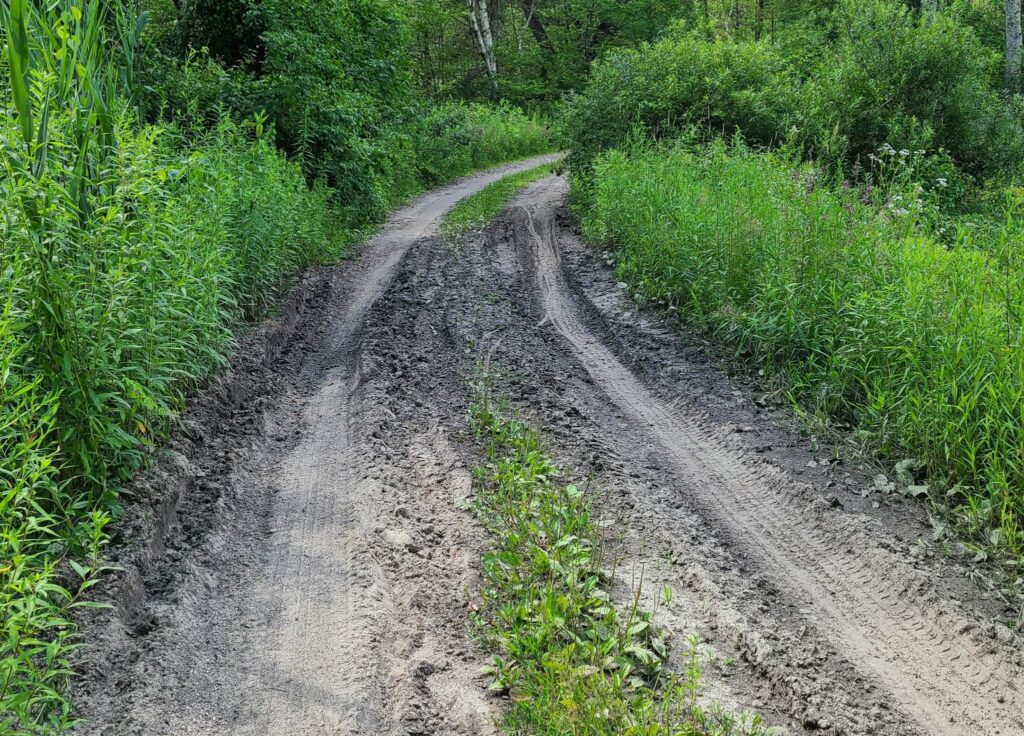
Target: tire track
[875, 608]
[290, 610]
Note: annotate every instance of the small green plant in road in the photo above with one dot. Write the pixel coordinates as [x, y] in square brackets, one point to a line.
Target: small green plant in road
[570, 660]
[476, 210]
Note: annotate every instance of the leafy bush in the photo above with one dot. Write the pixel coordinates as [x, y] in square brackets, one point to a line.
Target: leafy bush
[34, 624]
[333, 79]
[334, 82]
[881, 74]
[866, 319]
[454, 139]
[685, 81]
[176, 248]
[894, 78]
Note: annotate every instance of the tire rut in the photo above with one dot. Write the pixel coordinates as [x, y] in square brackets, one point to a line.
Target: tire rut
[871, 605]
[287, 606]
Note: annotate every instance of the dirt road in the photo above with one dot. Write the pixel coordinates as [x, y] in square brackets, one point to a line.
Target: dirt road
[303, 561]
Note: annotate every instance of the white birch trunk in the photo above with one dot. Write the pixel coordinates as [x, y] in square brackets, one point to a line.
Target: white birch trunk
[480, 20]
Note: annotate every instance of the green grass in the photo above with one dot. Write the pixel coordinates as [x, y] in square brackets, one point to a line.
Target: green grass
[476, 210]
[458, 138]
[570, 660]
[848, 301]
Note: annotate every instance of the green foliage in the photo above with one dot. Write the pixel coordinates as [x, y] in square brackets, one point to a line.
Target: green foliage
[680, 84]
[335, 82]
[543, 48]
[476, 210]
[127, 259]
[876, 73]
[570, 659]
[34, 607]
[454, 139]
[848, 299]
[177, 247]
[333, 79]
[891, 77]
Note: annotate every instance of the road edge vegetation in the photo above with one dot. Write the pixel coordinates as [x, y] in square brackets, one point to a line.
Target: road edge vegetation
[867, 320]
[569, 658]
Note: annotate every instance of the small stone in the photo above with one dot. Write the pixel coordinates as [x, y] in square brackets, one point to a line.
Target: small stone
[812, 719]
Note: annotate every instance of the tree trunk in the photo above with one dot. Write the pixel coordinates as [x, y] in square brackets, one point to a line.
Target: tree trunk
[759, 20]
[1013, 44]
[480, 20]
[536, 25]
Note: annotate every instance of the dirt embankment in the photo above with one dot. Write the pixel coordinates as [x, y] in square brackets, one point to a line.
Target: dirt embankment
[312, 558]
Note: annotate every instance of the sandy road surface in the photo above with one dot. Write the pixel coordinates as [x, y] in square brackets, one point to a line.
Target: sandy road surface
[308, 559]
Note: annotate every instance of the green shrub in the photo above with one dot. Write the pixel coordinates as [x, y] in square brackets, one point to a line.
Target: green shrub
[37, 591]
[880, 74]
[891, 77]
[333, 80]
[868, 321]
[686, 81]
[177, 247]
[454, 139]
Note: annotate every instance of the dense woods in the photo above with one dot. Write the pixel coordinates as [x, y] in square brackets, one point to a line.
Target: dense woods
[831, 188]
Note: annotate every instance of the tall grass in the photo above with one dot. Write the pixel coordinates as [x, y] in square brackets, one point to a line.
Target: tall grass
[127, 258]
[866, 317]
[454, 139]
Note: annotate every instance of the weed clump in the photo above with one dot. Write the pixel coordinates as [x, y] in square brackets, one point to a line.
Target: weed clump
[570, 660]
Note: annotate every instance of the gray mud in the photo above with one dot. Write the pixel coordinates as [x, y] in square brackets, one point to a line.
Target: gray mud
[310, 560]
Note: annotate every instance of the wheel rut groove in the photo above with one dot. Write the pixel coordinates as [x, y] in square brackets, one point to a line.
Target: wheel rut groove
[870, 603]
